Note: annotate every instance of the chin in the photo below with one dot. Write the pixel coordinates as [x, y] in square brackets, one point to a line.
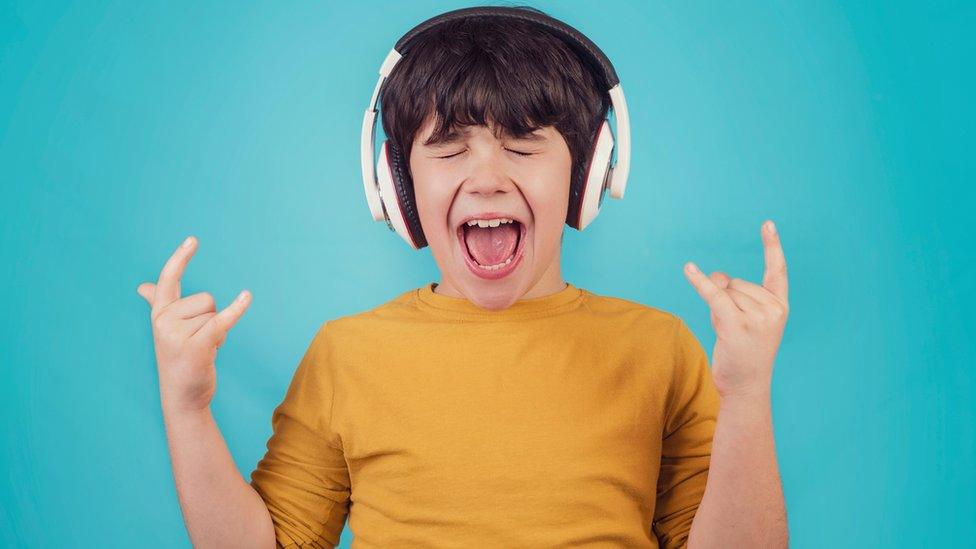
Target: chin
[493, 294]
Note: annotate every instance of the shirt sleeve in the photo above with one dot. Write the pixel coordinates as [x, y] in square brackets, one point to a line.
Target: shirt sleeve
[303, 478]
[687, 440]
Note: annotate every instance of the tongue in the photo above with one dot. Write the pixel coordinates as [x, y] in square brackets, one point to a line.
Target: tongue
[491, 245]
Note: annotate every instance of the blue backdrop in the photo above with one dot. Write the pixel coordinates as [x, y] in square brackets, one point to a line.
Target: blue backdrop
[126, 126]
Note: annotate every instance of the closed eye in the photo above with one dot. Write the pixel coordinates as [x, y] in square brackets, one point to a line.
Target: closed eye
[520, 153]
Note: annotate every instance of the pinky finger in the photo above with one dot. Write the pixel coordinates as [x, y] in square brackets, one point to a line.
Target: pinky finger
[217, 327]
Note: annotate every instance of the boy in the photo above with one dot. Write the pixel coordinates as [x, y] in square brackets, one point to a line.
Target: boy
[501, 406]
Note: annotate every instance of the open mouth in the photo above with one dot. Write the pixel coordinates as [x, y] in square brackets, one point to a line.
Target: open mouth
[492, 247]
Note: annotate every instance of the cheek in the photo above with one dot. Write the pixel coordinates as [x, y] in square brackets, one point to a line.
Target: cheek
[550, 199]
[549, 202]
[549, 215]
[433, 207]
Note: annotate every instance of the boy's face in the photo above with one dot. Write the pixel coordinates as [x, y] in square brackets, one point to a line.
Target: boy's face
[485, 178]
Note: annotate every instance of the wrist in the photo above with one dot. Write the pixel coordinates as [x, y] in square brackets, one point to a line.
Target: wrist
[749, 399]
[175, 410]
[759, 389]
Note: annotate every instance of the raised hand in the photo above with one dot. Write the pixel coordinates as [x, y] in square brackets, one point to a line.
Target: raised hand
[748, 320]
[187, 333]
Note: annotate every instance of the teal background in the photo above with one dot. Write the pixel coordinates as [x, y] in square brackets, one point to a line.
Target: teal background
[126, 126]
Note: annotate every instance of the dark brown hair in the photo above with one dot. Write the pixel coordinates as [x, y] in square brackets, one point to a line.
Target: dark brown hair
[515, 73]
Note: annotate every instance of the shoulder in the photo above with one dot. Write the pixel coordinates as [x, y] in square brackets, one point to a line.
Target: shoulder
[659, 336]
[373, 320]
[648, 318]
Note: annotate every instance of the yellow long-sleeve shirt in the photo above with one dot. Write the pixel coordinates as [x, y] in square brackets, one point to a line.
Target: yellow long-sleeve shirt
[573, 419]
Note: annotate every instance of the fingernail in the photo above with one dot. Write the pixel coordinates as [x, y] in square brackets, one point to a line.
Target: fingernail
[187, 242]
[692, 268]
[242, 296]
[770, 227]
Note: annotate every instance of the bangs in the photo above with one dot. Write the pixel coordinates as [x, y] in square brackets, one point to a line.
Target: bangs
[478, 91]
[511, 76]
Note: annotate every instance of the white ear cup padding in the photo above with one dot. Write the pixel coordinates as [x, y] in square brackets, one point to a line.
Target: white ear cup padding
[366, 159]
[596, 176]
[621, 166]
[395, 217]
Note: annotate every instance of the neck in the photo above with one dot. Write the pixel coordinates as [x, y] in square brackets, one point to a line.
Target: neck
[549, 283]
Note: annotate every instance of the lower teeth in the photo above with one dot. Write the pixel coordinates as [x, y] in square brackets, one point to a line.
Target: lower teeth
[498, 266]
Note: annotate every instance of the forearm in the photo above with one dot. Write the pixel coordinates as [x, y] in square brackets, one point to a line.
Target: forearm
[219, 507]
[743, 503]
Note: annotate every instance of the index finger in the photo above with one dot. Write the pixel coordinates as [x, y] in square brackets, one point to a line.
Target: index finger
[168, 287]
[774, 278]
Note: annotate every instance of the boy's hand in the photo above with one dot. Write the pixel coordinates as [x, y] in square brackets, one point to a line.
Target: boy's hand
[187, 333]
[748, 321]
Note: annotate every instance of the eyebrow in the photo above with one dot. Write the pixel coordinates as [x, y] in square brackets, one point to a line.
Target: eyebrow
[455, 136]
[532, 136]
[452, 137]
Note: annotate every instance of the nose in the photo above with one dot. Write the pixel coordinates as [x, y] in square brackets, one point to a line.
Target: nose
[487, 177]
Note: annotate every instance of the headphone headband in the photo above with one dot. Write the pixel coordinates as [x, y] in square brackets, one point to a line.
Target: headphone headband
[570, 35]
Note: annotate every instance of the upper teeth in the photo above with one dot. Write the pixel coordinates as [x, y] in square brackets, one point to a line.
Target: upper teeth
[489, 222]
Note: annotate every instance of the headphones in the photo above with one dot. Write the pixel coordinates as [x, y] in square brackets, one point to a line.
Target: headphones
[389, 189]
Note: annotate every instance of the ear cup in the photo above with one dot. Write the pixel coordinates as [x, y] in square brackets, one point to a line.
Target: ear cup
[587, 189]
[396, 190]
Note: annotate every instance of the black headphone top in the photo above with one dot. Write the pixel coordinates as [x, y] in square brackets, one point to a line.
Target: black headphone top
[575, 39]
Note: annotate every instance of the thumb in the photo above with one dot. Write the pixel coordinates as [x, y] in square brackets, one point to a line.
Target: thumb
[147, 290]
